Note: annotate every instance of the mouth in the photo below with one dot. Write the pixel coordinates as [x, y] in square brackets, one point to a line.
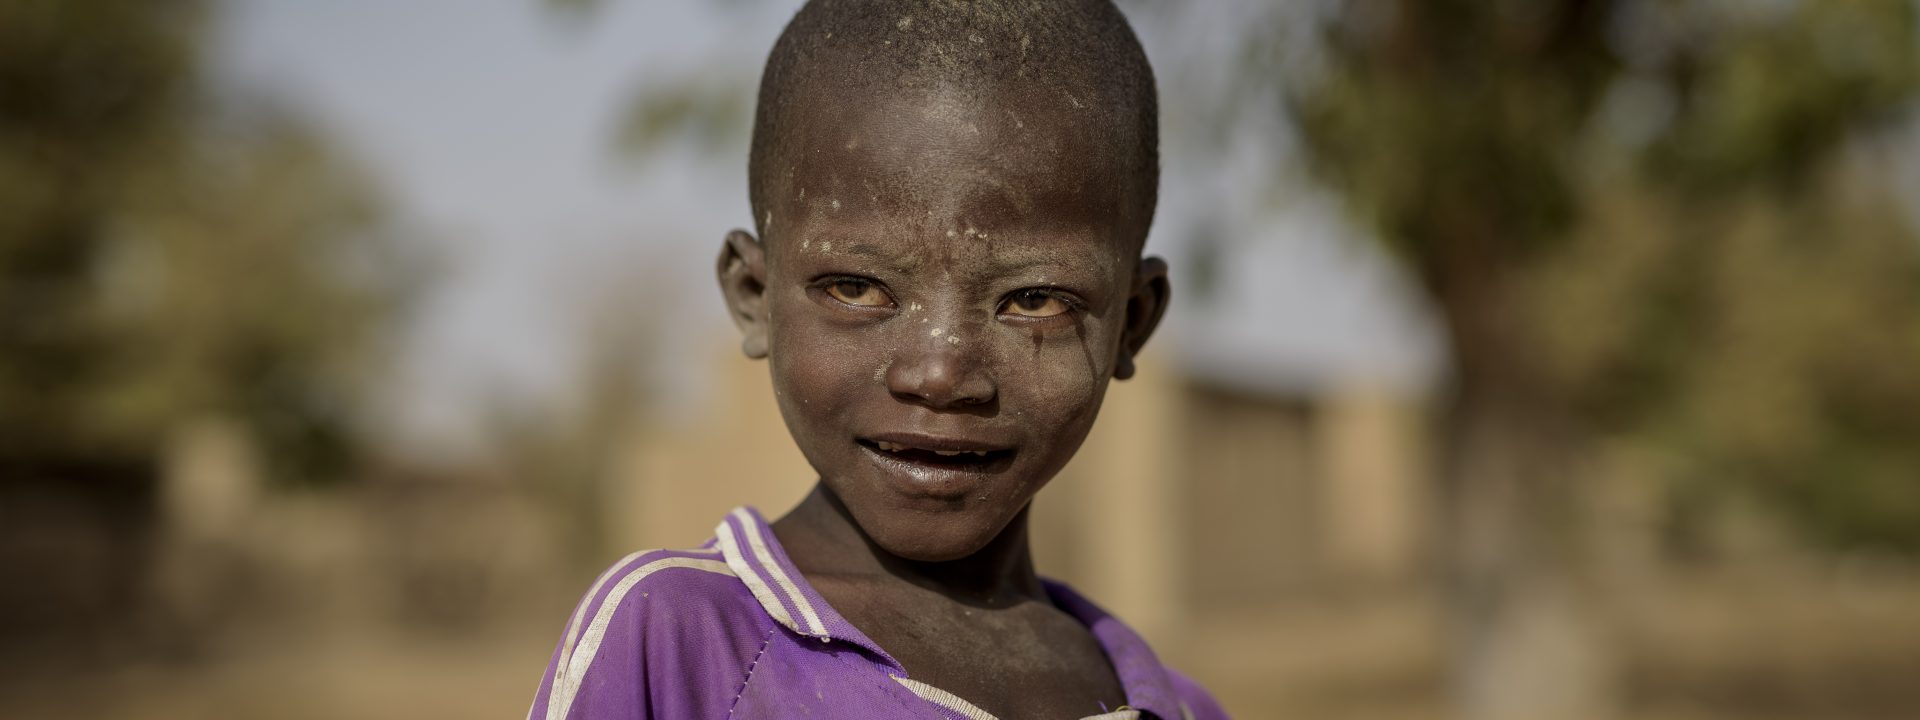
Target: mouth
[932, 457]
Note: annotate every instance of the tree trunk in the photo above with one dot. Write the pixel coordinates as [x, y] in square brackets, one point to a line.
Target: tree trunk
[1526, 643]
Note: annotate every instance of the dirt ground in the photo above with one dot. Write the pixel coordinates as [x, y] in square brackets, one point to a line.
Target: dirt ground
[1717, 648]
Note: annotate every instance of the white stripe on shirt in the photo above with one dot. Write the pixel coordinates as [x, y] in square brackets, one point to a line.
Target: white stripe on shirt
[730, 548]
[569, 675]
[779, 575]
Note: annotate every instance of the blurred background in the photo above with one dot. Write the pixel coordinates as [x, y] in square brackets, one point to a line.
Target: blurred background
[1529, 358]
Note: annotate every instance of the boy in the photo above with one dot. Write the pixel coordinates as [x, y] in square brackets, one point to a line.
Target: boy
[952, 197]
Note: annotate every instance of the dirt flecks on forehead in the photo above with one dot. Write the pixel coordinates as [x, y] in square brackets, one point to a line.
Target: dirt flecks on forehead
[836, 204]
[938, 331]
[983, 53]
[768, 223]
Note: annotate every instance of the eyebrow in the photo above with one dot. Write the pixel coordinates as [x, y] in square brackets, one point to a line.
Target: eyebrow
[896, 262]
[1006, 262]
[1019, 260]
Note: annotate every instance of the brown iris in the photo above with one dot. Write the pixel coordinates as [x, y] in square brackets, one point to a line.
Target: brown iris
[1035, 304]
[859, 293]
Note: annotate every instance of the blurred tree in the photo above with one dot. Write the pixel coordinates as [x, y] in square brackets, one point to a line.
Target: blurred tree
[1637, 221]
[89, 93]
[162, 257]
[167, 262]
[252, 277]
[1770, 303]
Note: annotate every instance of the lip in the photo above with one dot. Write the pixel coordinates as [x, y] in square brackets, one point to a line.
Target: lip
[936, 443]
[936, 479]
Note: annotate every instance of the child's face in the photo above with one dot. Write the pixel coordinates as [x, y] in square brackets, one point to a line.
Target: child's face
[942, 275]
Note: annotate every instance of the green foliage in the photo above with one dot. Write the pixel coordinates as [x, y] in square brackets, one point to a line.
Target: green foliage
[1763, 348]
[1450, 123]
[88, 92]
[1731, 286]
[163, 258]
[1764, 98]
[257, 280]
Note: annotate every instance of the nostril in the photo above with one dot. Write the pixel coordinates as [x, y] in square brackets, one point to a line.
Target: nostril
[941, 388]
[938, 374]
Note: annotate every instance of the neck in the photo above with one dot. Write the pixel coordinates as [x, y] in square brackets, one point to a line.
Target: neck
[821, 537]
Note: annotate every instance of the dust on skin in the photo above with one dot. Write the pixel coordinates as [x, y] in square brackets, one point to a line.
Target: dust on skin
[948, 202]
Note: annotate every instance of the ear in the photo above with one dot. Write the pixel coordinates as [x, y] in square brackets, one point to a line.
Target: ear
[743, 280]
[1144, 308]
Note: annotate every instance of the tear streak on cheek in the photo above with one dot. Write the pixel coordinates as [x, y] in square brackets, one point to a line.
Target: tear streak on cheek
[1095, 368]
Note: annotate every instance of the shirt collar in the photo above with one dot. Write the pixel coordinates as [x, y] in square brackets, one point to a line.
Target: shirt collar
[755, 555]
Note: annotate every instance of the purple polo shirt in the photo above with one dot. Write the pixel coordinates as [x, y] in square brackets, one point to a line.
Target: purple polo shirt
[731, 629]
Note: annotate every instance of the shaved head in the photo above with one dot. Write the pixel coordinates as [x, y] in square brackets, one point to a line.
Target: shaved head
[1045, 80]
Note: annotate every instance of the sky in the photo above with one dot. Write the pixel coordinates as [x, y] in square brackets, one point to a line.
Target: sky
[490, 126]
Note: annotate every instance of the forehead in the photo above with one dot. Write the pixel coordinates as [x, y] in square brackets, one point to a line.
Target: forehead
[948, 158]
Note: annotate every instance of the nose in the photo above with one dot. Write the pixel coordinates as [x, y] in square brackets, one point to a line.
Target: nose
[943, 373]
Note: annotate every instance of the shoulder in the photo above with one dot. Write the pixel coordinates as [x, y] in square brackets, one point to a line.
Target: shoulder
[697, 577]
[653, 624]
[1195, 702]
[654, 598]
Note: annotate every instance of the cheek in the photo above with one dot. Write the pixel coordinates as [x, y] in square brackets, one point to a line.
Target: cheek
[1059, 383]
[814, 372]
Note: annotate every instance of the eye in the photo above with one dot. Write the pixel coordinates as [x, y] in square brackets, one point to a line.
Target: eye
[1035, 303]
[857, 292]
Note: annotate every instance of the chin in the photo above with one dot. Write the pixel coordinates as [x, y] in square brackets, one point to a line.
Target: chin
[937, 536]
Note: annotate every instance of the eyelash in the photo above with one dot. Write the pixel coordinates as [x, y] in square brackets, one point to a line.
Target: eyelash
[825, 286]
[1074, 304]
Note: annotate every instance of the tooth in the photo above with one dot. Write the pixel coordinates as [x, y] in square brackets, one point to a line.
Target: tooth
[947, 453]
[981, 453]
[887, 446]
